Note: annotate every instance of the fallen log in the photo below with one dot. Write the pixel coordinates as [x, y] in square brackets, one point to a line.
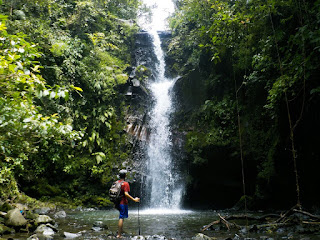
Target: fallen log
[307, 214]
[227, 223]
[258, 218]
[210, 224]
[288, 213]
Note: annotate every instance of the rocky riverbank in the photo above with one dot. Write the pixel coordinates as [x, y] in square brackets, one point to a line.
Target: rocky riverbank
[24, 221]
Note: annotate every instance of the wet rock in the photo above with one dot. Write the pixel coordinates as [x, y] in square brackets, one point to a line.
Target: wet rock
[53, 227]
[138, 238]
[33, 237]
[243, 230]
[43, 219]
[44, 230]
[265, 238]
[60, 214]
[98, 224]
[155, 237]
[280, 230]
[97, 229]
[14, 218]
[201, 236]
[42, 211]
[71, 235]
[136, 83]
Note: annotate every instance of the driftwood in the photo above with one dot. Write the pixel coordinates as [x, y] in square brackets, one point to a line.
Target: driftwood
[258, 218]
[289, 212]
[307, 214]
[283, 220]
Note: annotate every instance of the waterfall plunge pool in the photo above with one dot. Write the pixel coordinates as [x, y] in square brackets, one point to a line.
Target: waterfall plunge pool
[171, 223]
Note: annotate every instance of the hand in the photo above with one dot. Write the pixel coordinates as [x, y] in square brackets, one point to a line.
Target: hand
[136, 199]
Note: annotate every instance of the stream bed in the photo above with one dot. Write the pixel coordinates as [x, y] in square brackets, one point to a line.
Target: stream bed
[171, 224]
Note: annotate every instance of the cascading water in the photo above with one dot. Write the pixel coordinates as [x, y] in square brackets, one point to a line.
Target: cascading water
[162, 181]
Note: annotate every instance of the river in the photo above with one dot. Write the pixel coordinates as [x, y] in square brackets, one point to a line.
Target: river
[170, 224]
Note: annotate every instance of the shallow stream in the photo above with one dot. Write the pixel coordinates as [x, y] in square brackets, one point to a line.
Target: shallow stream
[177, 224]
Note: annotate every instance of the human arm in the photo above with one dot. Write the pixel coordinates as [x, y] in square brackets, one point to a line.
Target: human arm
[136, 199]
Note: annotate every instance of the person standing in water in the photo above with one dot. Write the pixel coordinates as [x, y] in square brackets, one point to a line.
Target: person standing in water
[123, 207]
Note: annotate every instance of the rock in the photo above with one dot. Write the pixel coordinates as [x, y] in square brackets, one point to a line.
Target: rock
[5, 230]
[154, 237]
[97, 229]
[98, 224]
[280, 230]
[79, 208]
[53, 227]
[201, 236]
[42, 211]
[136, 83]
[21, 207]
[14, 218]
[33, 237]
[5, 207]
[243, 230]
[71, 235]
[44, 230]
[43, 219]
[31, 215]
[60, 214]
[138, 238]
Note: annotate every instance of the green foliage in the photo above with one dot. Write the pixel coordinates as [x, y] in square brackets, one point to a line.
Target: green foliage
[61, 111]
[262, 50]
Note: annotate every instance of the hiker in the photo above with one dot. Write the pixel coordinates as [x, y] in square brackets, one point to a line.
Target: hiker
[123, 207]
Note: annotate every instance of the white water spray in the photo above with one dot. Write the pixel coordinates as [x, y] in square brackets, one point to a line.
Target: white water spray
[165, 194]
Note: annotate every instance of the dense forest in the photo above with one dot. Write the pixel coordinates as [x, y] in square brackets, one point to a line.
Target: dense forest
[247, 99]
[62, 112]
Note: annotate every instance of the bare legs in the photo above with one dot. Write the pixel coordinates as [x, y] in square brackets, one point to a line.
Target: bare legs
[120, 227]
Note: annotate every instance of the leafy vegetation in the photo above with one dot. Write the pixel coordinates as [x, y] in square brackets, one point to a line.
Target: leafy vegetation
[62, 65]
[258, 62]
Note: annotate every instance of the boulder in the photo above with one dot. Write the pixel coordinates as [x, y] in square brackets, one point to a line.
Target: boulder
[201, 236]
[14, 218]
[60, 214]
[44, 230]
[21, 207]
[71, 235]
[43, 219]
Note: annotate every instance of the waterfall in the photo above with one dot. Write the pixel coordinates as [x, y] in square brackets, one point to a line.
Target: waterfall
[162, 182]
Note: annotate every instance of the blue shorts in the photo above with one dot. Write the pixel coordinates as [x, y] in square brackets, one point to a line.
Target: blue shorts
[123, 209]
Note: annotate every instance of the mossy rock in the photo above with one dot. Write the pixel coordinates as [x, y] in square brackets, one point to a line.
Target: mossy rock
[97, 201]
[5, 230]
[31, 215]
[5, 207]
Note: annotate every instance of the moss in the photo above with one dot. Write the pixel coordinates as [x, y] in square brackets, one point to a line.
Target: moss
[5, 207]
[5, 230]
[97, 201]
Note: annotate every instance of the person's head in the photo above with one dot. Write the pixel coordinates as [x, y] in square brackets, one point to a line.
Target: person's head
[122, 174]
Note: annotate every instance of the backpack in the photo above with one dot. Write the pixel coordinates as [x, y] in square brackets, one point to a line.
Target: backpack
[115, 192]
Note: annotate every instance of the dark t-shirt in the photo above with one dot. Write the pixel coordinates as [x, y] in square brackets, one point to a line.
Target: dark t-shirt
[125, 187]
